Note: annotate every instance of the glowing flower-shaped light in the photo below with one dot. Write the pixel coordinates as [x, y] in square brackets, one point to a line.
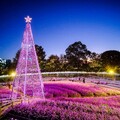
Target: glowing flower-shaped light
[28, 19]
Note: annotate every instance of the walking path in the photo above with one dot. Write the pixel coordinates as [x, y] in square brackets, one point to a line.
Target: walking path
[105, 82]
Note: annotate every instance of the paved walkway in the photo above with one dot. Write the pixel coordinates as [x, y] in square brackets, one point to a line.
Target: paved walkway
[105, 82]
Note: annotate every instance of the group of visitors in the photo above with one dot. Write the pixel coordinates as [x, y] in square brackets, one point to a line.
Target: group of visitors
[83, 79]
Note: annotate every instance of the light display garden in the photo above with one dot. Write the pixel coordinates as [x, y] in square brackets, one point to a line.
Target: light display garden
[69, 100]
[59, 99]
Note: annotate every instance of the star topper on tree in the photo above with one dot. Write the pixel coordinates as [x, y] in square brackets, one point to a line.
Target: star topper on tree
[28, 19]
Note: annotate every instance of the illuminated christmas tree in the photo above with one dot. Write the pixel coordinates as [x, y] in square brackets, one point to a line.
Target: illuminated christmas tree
[28, 80]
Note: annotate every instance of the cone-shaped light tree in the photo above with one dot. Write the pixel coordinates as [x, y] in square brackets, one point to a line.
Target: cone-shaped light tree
[28, 80]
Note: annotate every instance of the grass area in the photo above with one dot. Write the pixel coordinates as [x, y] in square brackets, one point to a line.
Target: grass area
[62, 110]
[75, 89]
[71, 101]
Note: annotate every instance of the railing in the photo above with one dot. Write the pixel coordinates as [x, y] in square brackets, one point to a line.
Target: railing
[64, 72]
[7, 103]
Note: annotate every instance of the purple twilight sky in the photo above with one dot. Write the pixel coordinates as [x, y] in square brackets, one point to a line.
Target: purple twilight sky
[58, 23]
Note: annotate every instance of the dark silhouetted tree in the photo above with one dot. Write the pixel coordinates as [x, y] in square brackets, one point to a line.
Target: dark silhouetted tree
[41, 56]
[53, 63]
[77, 55]
[111, 59]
